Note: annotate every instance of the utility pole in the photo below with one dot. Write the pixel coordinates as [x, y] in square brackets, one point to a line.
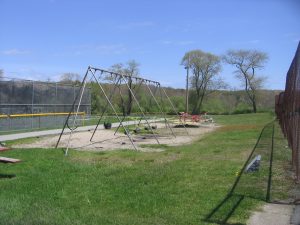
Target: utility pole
[187, 87]
[187, 90]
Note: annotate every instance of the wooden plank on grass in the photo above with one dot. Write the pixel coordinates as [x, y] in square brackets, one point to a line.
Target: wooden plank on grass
[2, 149]
[9, 160]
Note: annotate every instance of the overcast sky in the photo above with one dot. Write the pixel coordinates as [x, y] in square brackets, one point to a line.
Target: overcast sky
[41, 39]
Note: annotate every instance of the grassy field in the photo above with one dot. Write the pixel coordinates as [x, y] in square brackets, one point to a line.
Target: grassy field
[182, 185]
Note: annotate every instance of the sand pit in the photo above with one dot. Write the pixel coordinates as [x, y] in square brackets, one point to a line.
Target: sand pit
[105, 140]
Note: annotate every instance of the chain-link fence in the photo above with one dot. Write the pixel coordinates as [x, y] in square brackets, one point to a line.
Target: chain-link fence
[288, 110]
[26, 105]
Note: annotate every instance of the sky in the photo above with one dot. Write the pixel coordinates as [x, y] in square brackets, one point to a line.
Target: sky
[42, 39]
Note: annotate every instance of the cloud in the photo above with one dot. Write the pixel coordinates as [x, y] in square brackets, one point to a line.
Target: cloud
[248, 42]
[294, 37]
[291, 34]
[86, 49]
[186, 42]
[182, 43]
[14, 51]
[166, 42]
[183, 28]
[25, 72]
[135, 25]
[254, 41]
[115, 49]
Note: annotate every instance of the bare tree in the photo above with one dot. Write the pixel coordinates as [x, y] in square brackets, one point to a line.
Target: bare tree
[70, 78]
[118, 68]
[131, 69]
[247, 62]
[205, 68]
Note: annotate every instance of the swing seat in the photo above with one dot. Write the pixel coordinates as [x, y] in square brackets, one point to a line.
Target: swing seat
[154, 127]
[137, 130]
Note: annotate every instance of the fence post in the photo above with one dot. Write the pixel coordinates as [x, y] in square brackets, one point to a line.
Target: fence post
[32, 102]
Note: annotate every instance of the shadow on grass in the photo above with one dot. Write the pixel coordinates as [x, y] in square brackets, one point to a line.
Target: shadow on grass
[225, 209]
[7, 176]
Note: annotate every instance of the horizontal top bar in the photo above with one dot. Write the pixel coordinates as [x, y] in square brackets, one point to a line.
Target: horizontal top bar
[118, 74]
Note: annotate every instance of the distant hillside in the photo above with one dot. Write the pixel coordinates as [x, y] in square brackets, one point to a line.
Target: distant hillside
[218, 102]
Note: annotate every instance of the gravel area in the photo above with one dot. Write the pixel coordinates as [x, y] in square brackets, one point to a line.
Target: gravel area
[105, 140]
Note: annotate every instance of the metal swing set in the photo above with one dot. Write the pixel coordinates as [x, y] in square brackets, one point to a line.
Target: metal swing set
[118, 81]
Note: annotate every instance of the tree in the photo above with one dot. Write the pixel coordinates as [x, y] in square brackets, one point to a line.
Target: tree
[131, 69]
[70, 78]
[247, 62]
[205, 68]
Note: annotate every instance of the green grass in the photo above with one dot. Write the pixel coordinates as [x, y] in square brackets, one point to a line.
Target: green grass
[178, 186]
[20, 141]
[155, 146]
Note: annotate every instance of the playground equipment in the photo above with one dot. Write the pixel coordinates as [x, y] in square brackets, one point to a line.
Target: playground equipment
[194, 120]
[3, 147]
[9, 160]
[118, 82]
[185, 117]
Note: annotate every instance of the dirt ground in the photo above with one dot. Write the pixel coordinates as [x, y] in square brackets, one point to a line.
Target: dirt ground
[105, 140]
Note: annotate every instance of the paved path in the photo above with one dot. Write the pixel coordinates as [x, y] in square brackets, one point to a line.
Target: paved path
[295, 220]
[10, 137]
[275, 214]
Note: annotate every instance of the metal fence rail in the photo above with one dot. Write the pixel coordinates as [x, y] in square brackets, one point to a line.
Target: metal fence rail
[287, 108]
[28, 105]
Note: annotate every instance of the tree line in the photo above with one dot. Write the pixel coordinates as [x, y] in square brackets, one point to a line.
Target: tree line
[205, 83]
[206, 79]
